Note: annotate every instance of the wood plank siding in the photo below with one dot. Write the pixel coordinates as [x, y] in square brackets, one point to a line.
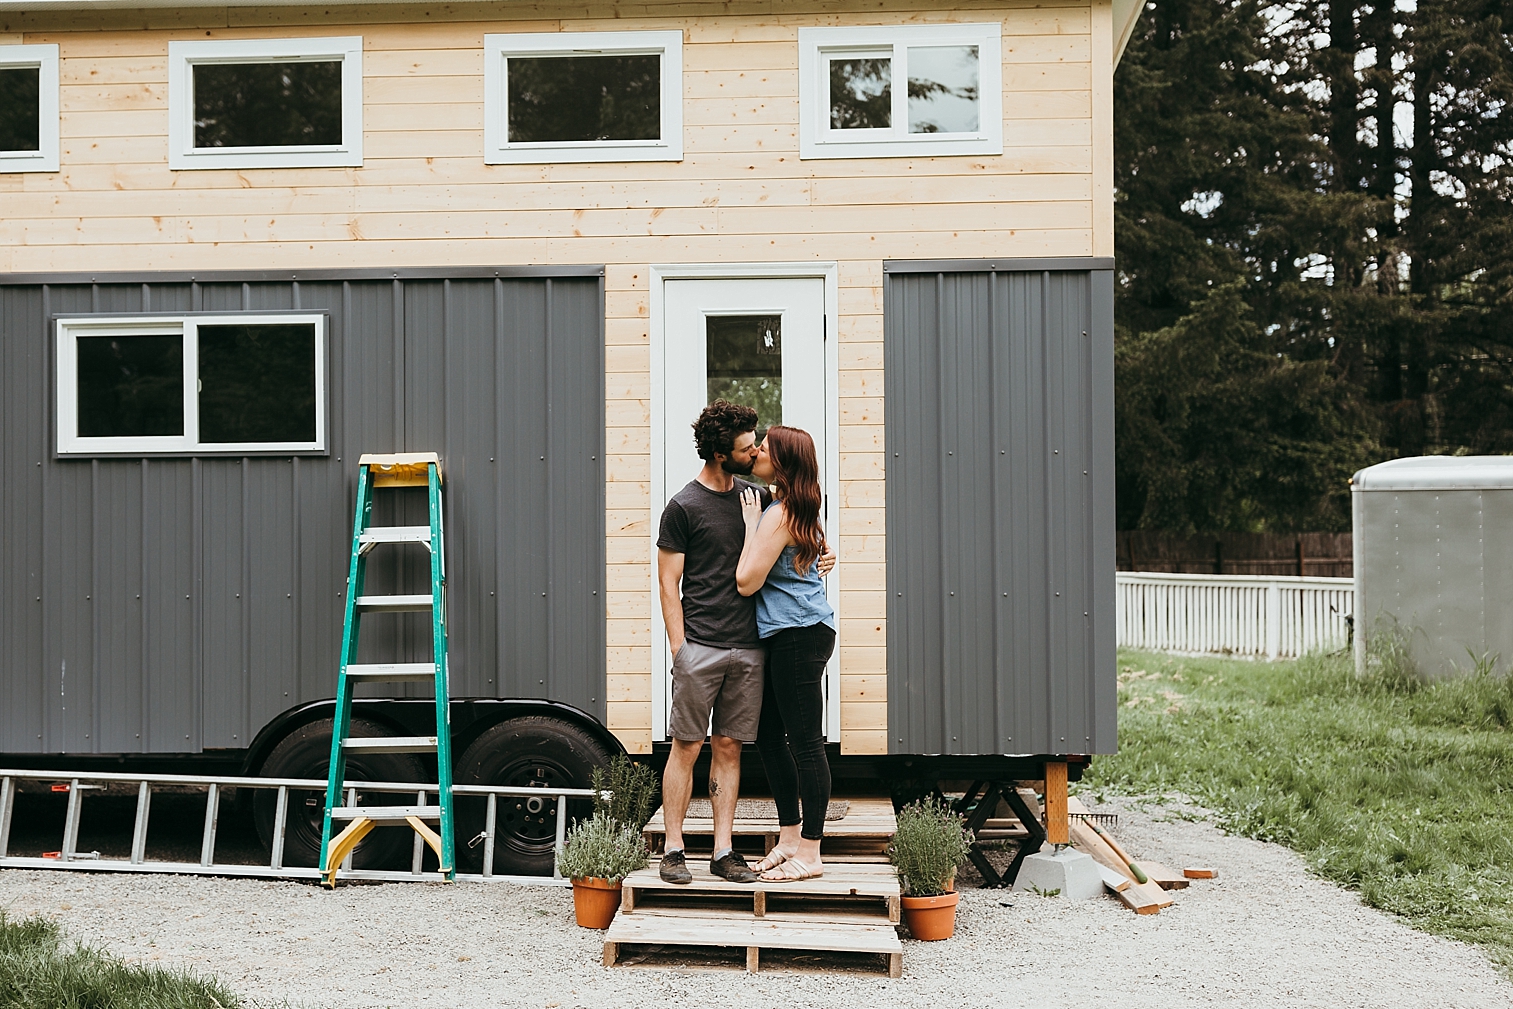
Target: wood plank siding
[424, 197]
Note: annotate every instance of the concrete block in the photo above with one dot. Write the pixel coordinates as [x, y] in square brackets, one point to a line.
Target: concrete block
[1072, 872]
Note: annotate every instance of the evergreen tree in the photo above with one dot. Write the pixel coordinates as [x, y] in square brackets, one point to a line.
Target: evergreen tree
[1267, 167]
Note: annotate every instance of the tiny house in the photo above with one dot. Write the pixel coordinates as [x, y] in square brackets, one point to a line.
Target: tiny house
[244, 244]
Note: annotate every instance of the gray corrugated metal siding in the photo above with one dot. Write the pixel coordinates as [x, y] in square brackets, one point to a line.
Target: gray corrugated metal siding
[999, 433]
[173, 604]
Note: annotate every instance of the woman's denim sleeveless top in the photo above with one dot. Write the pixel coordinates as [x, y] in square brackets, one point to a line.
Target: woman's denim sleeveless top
[789, 599]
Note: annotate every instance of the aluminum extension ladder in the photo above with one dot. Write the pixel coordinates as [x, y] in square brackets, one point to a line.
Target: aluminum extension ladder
[374, 472]
[138, 858]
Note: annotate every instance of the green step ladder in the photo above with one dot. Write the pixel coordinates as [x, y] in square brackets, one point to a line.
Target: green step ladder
[375, 472]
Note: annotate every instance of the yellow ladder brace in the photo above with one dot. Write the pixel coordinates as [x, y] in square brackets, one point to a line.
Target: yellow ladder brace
[343, 843]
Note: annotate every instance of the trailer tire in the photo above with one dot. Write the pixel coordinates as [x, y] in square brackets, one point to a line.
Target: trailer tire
[306, 753]
[533, 750]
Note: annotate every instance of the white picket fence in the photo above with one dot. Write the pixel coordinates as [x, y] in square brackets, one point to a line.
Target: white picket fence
[1247, 615]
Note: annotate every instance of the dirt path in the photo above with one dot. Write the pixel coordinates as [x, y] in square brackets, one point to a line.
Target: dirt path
[1265, 934]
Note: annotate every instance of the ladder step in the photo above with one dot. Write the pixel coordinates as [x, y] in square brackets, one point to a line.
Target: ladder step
[391, 744]
[393, 604]
[392, 672]
[396, 534]
[385, 814]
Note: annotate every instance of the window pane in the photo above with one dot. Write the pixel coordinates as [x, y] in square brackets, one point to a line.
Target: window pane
[745, 363]
[943, 89]
[557, 99]
[20, 109]
[861, 94]
[130, 385]
[267, 104]
[257, 383]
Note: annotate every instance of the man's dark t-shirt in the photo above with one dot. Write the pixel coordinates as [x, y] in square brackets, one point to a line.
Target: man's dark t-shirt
[705, 526]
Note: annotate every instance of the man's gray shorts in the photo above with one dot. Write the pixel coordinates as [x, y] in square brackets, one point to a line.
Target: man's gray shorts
[727, 681]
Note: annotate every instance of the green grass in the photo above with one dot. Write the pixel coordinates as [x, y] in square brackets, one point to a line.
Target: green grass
[38, 970]
[1392, 787]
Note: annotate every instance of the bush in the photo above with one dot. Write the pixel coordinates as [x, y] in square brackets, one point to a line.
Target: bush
[928, 844]
[632, 788]
[37, 972]
[600, 848]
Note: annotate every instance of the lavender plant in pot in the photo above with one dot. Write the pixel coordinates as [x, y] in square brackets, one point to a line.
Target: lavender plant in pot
[930, 842]
[598, 853]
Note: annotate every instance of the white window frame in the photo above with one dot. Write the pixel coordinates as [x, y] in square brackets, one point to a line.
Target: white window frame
[184, 56]
[497, 49]
[45, 59]
[70, 329]
[818, 45]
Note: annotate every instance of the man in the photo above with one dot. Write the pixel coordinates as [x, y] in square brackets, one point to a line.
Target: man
[718, 657]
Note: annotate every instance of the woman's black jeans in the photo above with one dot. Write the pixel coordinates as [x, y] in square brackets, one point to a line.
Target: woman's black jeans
[791, 737]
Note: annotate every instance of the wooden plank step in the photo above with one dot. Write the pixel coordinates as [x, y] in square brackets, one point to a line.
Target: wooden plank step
[857, 883]
[813, 911]
[650, 928]
[866, 820]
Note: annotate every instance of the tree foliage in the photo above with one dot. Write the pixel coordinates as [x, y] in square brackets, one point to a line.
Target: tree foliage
[1315, 267]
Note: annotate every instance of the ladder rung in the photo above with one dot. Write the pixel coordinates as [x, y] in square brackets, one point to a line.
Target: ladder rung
[392, 672]
[384, 814]
[391, 744]
[393, 604]
[396, 534]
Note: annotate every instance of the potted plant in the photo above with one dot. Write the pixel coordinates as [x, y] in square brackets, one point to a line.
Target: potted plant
[597, 855]
[928, 845]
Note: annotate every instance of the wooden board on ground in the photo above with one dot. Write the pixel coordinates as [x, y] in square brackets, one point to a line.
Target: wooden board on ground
[866, 828]
[1194, 872]
[647, 928]
[1142, 898]
[852, 887]
[1166, 879]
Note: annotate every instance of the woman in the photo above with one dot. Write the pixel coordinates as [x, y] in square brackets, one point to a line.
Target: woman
[798, 627]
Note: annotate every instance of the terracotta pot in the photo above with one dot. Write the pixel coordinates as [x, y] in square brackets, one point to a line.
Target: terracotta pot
[931, 918]
[595, 901]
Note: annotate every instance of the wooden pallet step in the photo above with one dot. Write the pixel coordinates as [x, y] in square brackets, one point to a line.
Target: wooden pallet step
[856, 884]
[870, 818]
[818, 911]
[650, 928]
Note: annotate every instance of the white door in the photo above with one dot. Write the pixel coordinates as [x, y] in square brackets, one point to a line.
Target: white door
[757, 342]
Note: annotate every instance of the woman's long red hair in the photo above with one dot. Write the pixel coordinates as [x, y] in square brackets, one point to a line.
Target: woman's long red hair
[796, 482]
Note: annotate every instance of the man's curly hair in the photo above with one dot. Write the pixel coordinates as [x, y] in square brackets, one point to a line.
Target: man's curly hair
[719, 425]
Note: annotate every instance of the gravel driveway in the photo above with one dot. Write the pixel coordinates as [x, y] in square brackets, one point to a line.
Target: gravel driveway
[1266, 933]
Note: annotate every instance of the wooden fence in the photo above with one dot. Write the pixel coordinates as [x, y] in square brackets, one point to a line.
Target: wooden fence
[1325, 555]
[1245, 615]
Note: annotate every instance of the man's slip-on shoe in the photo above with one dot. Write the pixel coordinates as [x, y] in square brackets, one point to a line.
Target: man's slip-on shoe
[733, 867]
[674, 868]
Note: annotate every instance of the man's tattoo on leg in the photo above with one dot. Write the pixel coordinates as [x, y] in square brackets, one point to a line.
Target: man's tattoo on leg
[714, 787]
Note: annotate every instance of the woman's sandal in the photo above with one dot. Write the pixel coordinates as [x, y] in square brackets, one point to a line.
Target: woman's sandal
[770, 861]
[792, 870]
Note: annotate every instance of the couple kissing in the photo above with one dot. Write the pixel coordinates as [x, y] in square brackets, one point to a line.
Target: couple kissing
[739, 573]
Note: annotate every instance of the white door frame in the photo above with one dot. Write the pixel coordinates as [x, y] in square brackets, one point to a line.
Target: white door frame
[830, 274]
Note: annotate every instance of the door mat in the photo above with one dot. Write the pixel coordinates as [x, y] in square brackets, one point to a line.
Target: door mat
[760, 809]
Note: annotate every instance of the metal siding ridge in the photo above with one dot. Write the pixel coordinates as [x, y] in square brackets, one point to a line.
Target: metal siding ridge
[1005, 265]
[286, 276]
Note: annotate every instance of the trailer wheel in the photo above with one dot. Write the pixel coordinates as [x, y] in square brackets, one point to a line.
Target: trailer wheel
[306, 753]
[530, 752]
